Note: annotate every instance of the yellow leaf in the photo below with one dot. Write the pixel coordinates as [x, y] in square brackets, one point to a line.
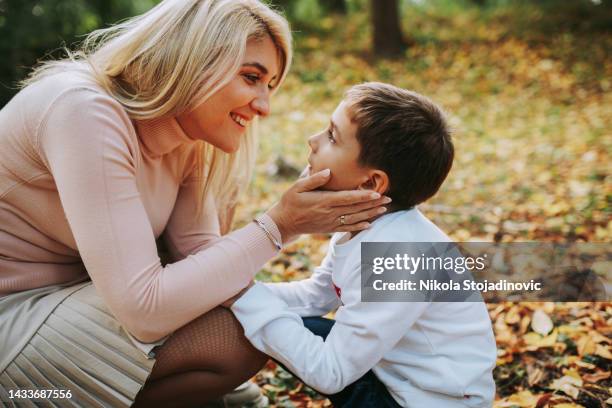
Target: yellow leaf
[567, 384]
[531, 338]
[534, 375]
[566, 379]
[462, 235]
[572, 373]
[559, 347]
[541, 323]
[504, 404]
[572, 359]
[598, 338]
[536, 341]
[570, 390]
[568, 405]
[532, 305]
[598, 376]
[272, 388]
[503, 334]
[524, 324]
[583, 321]
[524, 399]
[603, 351]
[548, 307]
[513, 315]
[585, 345]
[493, 313]
[586, 365]
[567, 329]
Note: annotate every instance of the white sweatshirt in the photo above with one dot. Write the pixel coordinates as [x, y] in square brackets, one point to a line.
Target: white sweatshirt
[426, 354]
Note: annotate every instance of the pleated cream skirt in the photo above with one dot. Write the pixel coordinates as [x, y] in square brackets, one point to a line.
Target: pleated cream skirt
[79, 348]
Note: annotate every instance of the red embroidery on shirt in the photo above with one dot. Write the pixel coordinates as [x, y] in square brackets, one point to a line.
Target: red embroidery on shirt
[338, 290]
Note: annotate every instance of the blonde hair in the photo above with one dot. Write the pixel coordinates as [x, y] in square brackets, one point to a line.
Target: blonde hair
[173, 57]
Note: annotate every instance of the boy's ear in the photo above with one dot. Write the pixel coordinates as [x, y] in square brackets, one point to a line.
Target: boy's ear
[377, 181]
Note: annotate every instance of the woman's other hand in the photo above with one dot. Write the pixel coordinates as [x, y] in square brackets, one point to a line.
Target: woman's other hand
[301, 210]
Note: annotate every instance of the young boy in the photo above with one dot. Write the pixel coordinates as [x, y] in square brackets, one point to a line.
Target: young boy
[379, 354]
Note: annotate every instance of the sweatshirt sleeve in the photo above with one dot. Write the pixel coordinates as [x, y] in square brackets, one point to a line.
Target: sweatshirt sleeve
[89, 145]
[314, 296]
[362, 334]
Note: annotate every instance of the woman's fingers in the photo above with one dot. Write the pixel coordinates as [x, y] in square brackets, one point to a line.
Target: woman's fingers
[355, 208]
[312, 182]
[362, 215]
[302, 210]
[353, 228]
[347, 198]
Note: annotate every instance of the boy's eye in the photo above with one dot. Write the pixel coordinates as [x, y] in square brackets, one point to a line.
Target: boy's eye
[330, 136]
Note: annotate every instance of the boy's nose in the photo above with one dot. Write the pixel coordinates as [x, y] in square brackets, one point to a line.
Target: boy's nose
[312, 142]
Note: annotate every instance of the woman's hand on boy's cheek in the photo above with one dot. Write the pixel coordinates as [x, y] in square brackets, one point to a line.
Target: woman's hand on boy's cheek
[229, 302]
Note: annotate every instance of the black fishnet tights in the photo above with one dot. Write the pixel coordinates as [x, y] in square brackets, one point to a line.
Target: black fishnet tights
[201, 361]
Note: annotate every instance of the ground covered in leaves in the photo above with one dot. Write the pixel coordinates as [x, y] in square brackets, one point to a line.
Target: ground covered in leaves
[529, 97]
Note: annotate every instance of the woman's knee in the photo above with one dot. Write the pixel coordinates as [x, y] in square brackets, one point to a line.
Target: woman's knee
[213, 342]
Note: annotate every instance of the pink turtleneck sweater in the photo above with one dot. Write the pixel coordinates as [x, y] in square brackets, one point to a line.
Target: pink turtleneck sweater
[86, 190]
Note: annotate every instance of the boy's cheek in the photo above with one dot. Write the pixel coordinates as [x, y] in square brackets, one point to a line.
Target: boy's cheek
[336, 184]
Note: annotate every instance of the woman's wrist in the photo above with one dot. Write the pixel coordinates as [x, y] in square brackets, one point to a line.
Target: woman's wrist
[271, 230]
[276, 217]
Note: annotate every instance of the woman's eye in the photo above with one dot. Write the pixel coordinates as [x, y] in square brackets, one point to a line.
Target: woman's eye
[251, 78]
[330, 136]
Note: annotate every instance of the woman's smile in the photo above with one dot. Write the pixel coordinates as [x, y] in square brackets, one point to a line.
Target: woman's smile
[242, 122]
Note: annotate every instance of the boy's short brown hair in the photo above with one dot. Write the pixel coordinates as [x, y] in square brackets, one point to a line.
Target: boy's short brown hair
[404, 134]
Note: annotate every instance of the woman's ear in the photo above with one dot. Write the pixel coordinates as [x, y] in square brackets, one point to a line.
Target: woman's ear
[377, 181]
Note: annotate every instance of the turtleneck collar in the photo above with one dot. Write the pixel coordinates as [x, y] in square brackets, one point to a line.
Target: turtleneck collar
[161, 136]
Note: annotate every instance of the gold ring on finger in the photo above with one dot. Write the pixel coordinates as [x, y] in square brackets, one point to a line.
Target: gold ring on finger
[343, 219]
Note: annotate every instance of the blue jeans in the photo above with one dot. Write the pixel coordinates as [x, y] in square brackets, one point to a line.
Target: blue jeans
[366, 392]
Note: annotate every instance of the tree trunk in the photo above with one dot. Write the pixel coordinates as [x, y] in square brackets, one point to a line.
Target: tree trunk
[336, 6]
[388, 40]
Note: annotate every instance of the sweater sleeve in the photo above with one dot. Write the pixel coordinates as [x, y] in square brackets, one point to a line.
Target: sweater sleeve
[362, 334]
[89, 145]
[185, 233]
[314, 296]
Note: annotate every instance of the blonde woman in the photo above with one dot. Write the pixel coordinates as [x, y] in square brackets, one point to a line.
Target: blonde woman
[144, 134]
